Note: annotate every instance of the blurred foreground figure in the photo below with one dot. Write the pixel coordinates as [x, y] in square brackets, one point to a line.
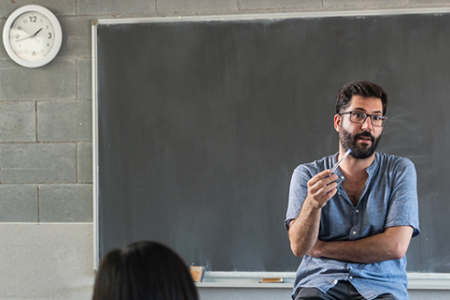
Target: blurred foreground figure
[143, 270]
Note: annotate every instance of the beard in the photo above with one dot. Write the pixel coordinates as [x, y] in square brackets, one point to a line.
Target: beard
[358, 151]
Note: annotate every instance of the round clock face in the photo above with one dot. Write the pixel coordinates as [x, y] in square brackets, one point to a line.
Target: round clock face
[32, 36]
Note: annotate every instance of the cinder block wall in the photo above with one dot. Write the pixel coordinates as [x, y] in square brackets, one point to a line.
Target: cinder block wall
[46, 145]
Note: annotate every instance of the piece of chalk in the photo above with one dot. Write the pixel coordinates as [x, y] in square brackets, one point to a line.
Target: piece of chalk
[272, 280]
[197, 273]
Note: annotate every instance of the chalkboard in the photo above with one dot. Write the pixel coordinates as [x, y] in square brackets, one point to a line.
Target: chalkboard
[201, 123]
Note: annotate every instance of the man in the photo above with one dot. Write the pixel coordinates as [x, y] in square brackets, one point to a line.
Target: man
[353, 227]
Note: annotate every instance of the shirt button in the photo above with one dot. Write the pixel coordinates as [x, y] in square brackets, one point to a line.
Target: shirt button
[357, 211]
[342, 177]
[335, 282]
[351, 277]
[351, 268]
[339, 193]
[354, 232]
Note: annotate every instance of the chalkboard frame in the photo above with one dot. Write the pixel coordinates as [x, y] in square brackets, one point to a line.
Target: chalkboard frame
[243, 279]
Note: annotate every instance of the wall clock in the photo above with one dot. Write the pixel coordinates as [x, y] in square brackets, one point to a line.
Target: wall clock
[32, 36]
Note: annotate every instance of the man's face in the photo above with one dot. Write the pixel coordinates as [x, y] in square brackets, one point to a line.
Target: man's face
[363, 138]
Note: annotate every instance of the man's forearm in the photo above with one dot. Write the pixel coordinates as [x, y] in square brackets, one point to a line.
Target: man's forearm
[304, 230]
[391, 244]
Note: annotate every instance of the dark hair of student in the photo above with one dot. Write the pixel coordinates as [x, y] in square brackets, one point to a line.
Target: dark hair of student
[143, 270]
[364, 89]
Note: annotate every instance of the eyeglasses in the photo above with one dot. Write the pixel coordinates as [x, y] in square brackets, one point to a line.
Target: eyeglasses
[361, 117]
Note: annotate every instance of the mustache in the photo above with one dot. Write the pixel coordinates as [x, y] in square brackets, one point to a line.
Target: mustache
[365, 134]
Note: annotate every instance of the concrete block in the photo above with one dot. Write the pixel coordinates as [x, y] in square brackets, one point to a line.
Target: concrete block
[56, 80]
[115, 7]
[64, 121]
[360, 4]
[18, 203]
[76, 37]
[429, 3]
[84, 162]
[279, 4]
[38, 163]
[196, 6]
[3, 54]
[65, 203]
[58, 7]
[17, 122]
[84, 79]
[46, 261]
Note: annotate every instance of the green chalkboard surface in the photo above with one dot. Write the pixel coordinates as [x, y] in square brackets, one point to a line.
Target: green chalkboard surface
[201, 123]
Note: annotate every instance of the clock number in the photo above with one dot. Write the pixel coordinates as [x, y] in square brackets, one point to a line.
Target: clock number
[17, 36]
[34, 53]
[20, 27]
[33, 19]
[49, 35]
[25, 21]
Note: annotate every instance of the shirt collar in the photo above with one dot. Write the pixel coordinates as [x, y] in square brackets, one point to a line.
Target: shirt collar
[370, 169]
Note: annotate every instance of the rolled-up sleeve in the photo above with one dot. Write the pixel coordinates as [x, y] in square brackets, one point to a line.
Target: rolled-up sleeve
[298, 191]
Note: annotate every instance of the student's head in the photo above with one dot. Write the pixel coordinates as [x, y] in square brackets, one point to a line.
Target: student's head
[143, 270]
[360, 117]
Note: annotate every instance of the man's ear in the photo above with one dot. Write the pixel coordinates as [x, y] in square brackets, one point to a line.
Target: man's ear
[337, 122]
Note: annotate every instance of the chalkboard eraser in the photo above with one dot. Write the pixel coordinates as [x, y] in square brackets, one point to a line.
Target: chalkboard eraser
[197, 273]
[272, 280]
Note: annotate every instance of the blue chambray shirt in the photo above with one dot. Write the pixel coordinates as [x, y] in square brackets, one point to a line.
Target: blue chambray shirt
[389, 199]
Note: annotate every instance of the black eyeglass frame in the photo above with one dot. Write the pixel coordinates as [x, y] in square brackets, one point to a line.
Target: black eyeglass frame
[383, 118]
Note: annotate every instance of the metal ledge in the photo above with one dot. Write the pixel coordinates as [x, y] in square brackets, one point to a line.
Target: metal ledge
[417, 281]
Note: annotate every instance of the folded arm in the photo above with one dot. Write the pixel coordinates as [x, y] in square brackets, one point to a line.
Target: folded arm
[391, 244]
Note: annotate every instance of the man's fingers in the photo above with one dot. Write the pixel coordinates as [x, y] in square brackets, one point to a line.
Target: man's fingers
[325, 194]
[330, 193]
[322, 187]
[328, 188]
[320, 176]
[316, 185]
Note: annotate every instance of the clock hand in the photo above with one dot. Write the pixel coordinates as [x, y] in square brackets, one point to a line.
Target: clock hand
[23, 38]
[30, 35]
[36, 32]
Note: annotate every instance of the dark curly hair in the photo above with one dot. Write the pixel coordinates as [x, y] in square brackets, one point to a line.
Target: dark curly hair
[364, 89]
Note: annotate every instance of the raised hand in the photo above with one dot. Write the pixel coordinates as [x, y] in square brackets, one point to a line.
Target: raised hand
[321, 188]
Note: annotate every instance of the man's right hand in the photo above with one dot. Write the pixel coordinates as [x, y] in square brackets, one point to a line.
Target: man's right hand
[304, 230]
[321, 188]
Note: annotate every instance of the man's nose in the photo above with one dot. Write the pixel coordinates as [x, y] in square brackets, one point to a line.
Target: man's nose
[367, 124]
